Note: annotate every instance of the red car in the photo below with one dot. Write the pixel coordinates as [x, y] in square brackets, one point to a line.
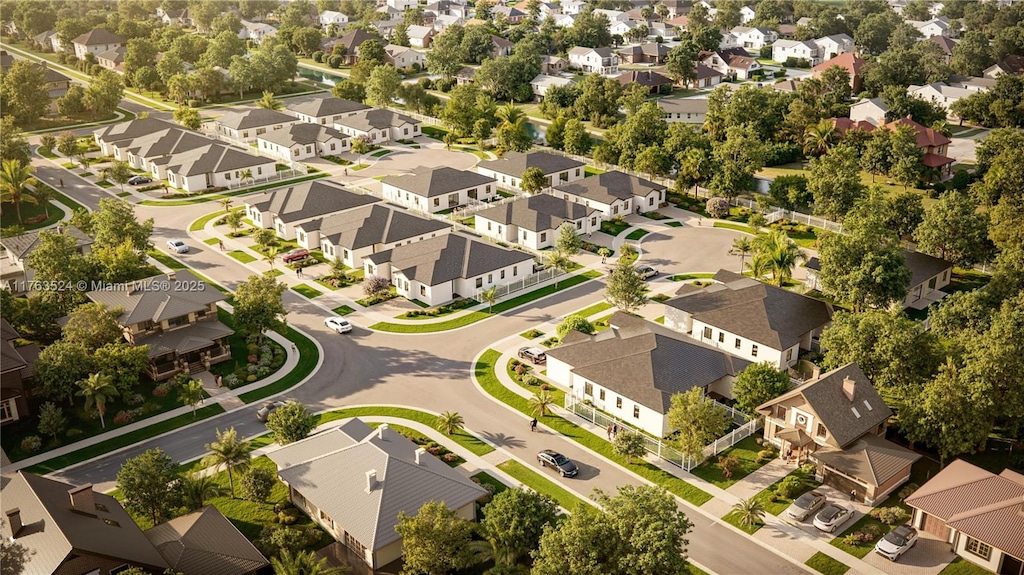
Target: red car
[295, 255]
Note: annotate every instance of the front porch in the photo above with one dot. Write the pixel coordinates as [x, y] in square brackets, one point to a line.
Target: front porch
[189, 349]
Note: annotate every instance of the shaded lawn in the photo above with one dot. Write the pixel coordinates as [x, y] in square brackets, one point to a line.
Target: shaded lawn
[488, 479]
[737, 227]
[541, 484]
[614, 228]
[307, 290]
[966, 280]
[685, 277]
[34, 213]
[637, 234]
[556, 394]
[472, 443]
[594, 309]
[745, 450]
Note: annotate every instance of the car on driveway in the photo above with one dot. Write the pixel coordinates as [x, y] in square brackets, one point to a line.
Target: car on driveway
[806, 505]
[177, 246]
[268, 408]
[536, 355]
[295, 255]
[139, 180]
[831, 517]
[560, 463]
[896, 542]
[338, 324]
[646, 272]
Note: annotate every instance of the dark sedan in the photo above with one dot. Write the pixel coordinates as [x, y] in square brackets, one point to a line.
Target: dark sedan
[561, 463]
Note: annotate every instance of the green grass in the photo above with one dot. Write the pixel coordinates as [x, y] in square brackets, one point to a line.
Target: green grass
[737, 227]
[222, 195]
[308, 358]
[488, 479]
[472, 443]
[780, 504]
[826, 565]
[273, 273]
[660, 319]
[29, 212]
[200, 223]
[733, 518]
[358, 167]
[541, 484]
[746, 451]
[674, 224]
[556, 394]
[532, 334]
[594, 309]
[211, 241]
[476, 316]
[592, 171]
[961, 566]
[104, 184]
[343, 310]
[614, 228]
[485, 374]
[166, 260]
[242, 256]
[686, 277]
[637, 234]
[307, 290]
[380, 153]
[123, 194]
[966, 280]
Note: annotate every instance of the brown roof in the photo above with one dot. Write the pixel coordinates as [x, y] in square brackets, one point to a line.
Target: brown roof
[704, 71]
[844, 125]
[847, 61]
[1013, 64]
[205, 542]
[925, 136]
[871, 458]
[935, 160]
[646, 78]
[945, 43]
[742, 62]
[787, 85]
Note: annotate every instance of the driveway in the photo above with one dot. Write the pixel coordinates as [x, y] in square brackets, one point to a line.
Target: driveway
[928, 557]
[690, 249]
[405, 160]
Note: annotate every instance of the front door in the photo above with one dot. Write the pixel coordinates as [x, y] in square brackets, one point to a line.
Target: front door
[1011, 566]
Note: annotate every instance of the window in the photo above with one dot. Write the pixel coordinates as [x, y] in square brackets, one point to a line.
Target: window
[8, 411]
[707, 333]
[721, 337]
[437, 204]
[618, 402]
[820, 431]
[515, 271]
[405, 131]
[295, 152]
[227, 175]
[502, 274]
[332, 146]
[931, 283]
[309, 149]
[175, 322]
[636, 411]
[259, 170]
[245, 134]
[262, 131]
[423, 290]
[789, 354]
[479, 282]
[615, 209]
[600, 395]
[593, 221]
[577, 172]
[650, 201]
[738, 342]
[975, 547]
[543, 236]
[588, 388]
[781, 412]
[753, 350]
[524, 235]
[490, 278]
[344, 253]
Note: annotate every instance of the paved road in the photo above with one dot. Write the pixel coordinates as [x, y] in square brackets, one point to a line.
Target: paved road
[426, 371]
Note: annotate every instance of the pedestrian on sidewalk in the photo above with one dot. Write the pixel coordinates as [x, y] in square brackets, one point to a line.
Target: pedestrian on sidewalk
[218, 380]
[533, 424]
[615, 430]
[609, 432]
[61, 183]
[346, 171]
[293, 348]
[221, 244]
[853, 495]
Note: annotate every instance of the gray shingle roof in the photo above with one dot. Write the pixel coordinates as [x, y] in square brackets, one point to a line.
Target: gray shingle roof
[132, 129]
[158, 298]
[199, 335]
[332, 476]
[98, 36]
[684, 105]
[375, 119]
[319, 106]
[12, 360]
[759, 312]
[609, 187]
[871, 458]
[205, 541]
[22, 245]
[515, 163]
[303, 134]
[537, 213]
[452, 256]
[645, 362]
[253, 118]
[374, 224]
[923, 266]
[438, 181]
[213, 158]
[309, 200]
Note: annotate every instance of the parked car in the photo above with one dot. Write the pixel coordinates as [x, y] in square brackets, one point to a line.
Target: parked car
[268, 408]
[561, 463]
[536, 355]
[646, 272]
[831, 517]
[139, 180]
[177, 246]
[896, 542]
[295, 255]
[338, 324]
[806, 505]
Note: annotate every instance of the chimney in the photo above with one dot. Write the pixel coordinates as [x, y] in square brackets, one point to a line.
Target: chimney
[815, 372]
[14, 518]
[82, 498]
[420, 452]
[371, 480]
[380, 430]
[848, 388]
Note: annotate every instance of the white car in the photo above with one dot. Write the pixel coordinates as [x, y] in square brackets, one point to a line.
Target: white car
[646, 272]
[831, 517]
[896, 542]
[338, 324]
[177, 246]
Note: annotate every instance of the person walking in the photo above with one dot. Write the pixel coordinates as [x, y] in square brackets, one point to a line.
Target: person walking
[61, 183]
[533, 424]
[609, 432]
[615, 430]
[221, 244]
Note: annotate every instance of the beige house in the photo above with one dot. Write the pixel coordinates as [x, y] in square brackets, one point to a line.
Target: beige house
[15, 270]
[509, 169]
[96, 42]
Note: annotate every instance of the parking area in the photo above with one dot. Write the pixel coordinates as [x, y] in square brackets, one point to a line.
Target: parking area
[689, 249]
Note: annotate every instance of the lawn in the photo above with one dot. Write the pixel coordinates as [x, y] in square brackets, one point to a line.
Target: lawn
[484, 371]
[307, 291]
[242, 256]
[594, 309]
[966, 280]
[104, 184]
[592, 171]
[222, 195]
[746, 451]
[614, 228]
[777, 505]
[343, 310]
[380, 153]
[308, 359]
[200, 223]
[358, 167]
[472, 443]
[737, 227]
[532, 334]
[556, 394]
[686, 277]
[541, 484]
[637, 234]
[826, 565]
[488, 479]
[33, 216]
[674, 224]
[211, 241]
[961, 566]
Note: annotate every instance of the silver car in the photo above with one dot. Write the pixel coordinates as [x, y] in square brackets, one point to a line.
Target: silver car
[268, 408]
[806, 505]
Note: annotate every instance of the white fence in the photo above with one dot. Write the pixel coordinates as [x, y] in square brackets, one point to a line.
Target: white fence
[733, 437]
[522, 284]
[801, 218]
[277, 176]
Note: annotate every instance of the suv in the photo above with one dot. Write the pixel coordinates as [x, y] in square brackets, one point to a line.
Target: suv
[295, 255]
[535, 354]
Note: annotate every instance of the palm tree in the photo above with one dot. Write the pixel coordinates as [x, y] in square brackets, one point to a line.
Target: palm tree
[230, 452]
[741, 247]
[490, 296]
[449, 422]
[246, 175]
[43, 194]
[226, 202]
[559, 261]
[271, 256]
[758, 265]
[303, 563]
[818, 138]
[510, 114]
[97, 389]
[268, 102]
[541, 403]
[198, 488]
[14, 181]
[694, 167]
[781, 254]
[191, 394]
[749, 511]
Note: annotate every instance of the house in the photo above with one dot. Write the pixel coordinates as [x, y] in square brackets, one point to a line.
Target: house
[748, 318]
[352, 40]
[573, 7]
[754, 38]
[728, 41]
[871, 110]
[972, 83]
[284, 208]
[247, 124]
[438, 189]
[928, 275]
[613, 193]
[354, 481]
[14, 265]
[402, 57]
[787, 31]
[621, 27]
[179, 17]
[354, 234]
[686, 110]
[509, 169]
[646, 53]
[438, 270]
[445, 21]
[49, 41]
[632, 369]
[1011, 64]
[734, 62]
[512, 14]
[594, 60]
[112, 59]
[328, 17]
[613, 16]
[541, 83]
[844, 125]
[465, 75]
[550, 65]
[705, 77]
[534, 221]
[420, 36]
[676, 8]
[256, 31]
[854, 66]
[933, 27]
[379, 126]
[931, 142]
[57, 84]
[831, 46]
[447, 8]
[300, 141]
[96, 42]
[977, 512]
[790, 86]
[747, 14]
[653, 81]
[323, 110]
[782, 50]
[402, 5]
[16, 371]
[945, 44]
[563, 20]
[837, 420]
[502, 47]
[941, 93]
[204, 541]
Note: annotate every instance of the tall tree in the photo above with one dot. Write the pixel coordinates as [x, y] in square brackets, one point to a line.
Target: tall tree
[115, 222]
[61, 366]
[698, 419]
[779, 252]
[291, 422]
[758, 383]
[514, 522]
[383, 84]
[258, 305]
[104, 93]
[533, 180]
[434, 540]
[834, 179]
[147, 483]
[972, 54]
[92, 325]
[651, 528]
[953, 229]
[736, 159]
[15, 179]
[229, 452]
[97, 389]
[23, 91]
[586, 543]
[626, 290]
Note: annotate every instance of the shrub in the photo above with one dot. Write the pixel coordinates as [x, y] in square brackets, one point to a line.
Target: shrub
[907, 490]
[530, 380]
[764, 455]
[376, 286]
[123, 417]
[31, 444]
[450, 457]
[160, 391]
[889, 515]
[788, 487]
[318, 56]
[335, 61]
[250, 378]
[135, 399]
[73, 432]
[781, 73]
[257, 483]
[808, 468]
[444, 84]
[961, 179]
[544, 387]
[717, 207]
[781, 153]
[231, 380]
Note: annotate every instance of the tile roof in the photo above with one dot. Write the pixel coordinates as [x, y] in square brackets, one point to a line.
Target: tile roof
[205, 541]
[98, 36]
[644, 361]
[539, 212]
[449, 257]
[243, 118]
[871, 458]
[375, 119]
[333, 478]
[515, 163]
[373, 224]
[21, 246]
[609, 187]
[158, 297]
[926, 137]
[320, 106]
[852, 63]
[844, 125]
[302, 133]
[438, 181]
[308, 200]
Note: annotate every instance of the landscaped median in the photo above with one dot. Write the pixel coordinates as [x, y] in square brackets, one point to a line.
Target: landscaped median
[471, 442]
[475, 316]
[826, 565]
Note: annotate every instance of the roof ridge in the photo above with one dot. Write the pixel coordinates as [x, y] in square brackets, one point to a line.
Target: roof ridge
[1008, 502]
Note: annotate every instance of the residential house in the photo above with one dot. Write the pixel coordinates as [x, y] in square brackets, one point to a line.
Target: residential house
[734, 62]
[977, 512]
[543, 82]
[402, 57]
[438, 189]
[534, 221]
[502, 47]
[1011, 64]
[678, 22]
[871, 110]
[621, 28]
[465, 75]
[934, 27]
[834, 45]
[352, 40]
[663, 29]
[420, 36]
[747, 15]
[791, 86]
[49, 41]
[175, 314]
[686, 110]
[508, 170]
[247, 124]
[16, 372]
[787, 31]
[354, 482]
[389, 14]
[837, 420]
[613, 193]
[328, 17]
[564, 20]
[573, 7]
[445, 21]
[96, 41]
[550, 65]
[285, 208]
[844, 125]
[945, 44]
[109, 137]
[323, 110]
[928, 275]
[379, 126]
[646, 53]
[512, 14]
[386, 28]
[942, 94]
[931, 142]
[438, 270]
[173, 17]
[783, 50]
[112, 59]
[15, 271]
[612, 15]
[594, 60]
[749, 319]
[301, 141]
[972, 83]
[57, 84]
[676, 8]
[729, 41]
[402, 5]
[204, 541]
[447, 8]
[754, 38]
[354, 234]
[632, 369]
[854, 66]
[653, 81]
[256, 31]
[705, 77]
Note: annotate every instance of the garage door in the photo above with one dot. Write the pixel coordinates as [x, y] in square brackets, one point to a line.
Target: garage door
[936, 527]
[844, 484]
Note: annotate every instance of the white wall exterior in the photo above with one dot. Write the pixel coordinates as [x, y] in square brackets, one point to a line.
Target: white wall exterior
[444, 292]
[436, 203]
[296, 152]
[783, 49]
[554, 178]
[95, 49]
[402, 5]
[330, 17]
[647, 419]
[927, 288]
[591, 61]
[217, 179]
[249, 135]
[608, 211]
[403, 131]
[354, 258]
[681, 321]
[534, 240]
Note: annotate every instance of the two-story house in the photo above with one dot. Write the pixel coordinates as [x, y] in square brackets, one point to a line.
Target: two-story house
[942, 94]
[735, 63]
[96, 42]
[834, 45]
[534, 222]
[508, 170]
[754, 38]
[352, 235]
[931, 142]
[438, 189]
[646, 53]
[285, 208]
[685, 110]
[808, 51]
[57, 84]
[420, 36]
[402, 57]
[928, 275]
[16, 371]
[854, 66]
[613, 194]
[328, 17]
[15, 264]
[594, 60]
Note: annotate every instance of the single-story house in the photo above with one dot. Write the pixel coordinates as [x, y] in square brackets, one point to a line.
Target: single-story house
[553, 65]
[512, 14]
[686, 110]
[247, 124]
[534, 222]
[210, 166]
[15, 271]
[301, 140]
[420, 36]
[256, 31]
[543, 82]
[705, 76]
[354, 234]
[465, 75]
[508, 170]
[402, 57]
[379, 126]
[748, 318]
[16, 371]
[112, 59]
[438, 270]
[632, 369]
[869, 110]
[285, 208]
[653, 81]
[95, 42]
[204, 541]
[928, 275]
[613, 193]
[323, 110]
[438, 189]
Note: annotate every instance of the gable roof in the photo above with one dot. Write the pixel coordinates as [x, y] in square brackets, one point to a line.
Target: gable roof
[1012, 64]
[98, 36]
[375, 119]
[515, 163]
[205, 541]
[212, 158]
[158, 297]
[945, 43]
[302, 133]
[437, 181]
[355, 38]
[318, 106]
[923, 267]
[253, 118]
[871, 458]
[844, 125]
[448, 257]
[329, 469]
[372, 224]
[308, 200]
[644, 361]
[646, 78]
[21, 246]
[539, 212]
[925, 136]
[12, 360]
[415, 31]
[845, 420]
[610, 187]
[850, 62]
[132, 129]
